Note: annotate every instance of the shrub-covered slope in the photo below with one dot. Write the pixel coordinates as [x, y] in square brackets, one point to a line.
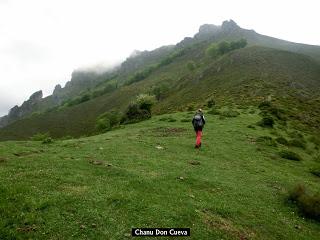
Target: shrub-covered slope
[244, 76]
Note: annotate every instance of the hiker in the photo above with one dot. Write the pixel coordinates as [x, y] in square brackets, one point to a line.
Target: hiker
[198, 123]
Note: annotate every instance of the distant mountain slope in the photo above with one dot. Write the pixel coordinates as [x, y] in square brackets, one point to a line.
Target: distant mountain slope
[244, 76]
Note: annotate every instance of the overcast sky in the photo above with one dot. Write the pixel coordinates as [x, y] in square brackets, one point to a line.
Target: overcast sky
[43, 41]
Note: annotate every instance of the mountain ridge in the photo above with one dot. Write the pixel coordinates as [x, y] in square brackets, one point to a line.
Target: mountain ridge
[262, 52]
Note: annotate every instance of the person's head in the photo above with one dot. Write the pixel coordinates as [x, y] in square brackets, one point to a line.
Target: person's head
[200, 110]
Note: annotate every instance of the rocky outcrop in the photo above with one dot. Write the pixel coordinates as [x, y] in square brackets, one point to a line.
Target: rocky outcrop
[26, 108]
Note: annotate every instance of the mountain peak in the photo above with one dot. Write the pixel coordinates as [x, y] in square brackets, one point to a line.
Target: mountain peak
[229, 25]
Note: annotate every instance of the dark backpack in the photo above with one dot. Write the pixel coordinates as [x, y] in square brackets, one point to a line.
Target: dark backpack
[197, 121]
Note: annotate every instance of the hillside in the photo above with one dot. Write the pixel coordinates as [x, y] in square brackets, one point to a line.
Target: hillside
[149, 175]
[288, 73]
[245, 76]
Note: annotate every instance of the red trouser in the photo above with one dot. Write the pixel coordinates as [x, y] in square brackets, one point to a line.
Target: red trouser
[198, 139]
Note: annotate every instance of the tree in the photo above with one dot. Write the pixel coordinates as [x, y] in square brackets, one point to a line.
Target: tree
[223, 47]
[146, 101]
[212, 50]
[191, 66]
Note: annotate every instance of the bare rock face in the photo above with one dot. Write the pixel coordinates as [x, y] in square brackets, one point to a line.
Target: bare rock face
[36, 96]
[26, 108]
[206, 31]
[229, 26]
[57, 89]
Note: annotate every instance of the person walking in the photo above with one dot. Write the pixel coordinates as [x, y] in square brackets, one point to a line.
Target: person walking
[198, 123]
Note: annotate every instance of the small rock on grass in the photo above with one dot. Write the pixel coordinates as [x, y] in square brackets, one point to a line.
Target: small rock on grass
[194, 162]
[96, 162]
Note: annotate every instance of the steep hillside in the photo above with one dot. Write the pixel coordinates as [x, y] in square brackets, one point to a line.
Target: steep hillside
[243, 76]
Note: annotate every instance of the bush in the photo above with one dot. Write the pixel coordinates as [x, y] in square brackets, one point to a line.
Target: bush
[103, 125]
[229, 113]
[106, 121]
[264, 104]
[308, 204]
[267, 141]
[211, 103]
[40, 136]
[191, 66]
[145, 102]
[223, 47]
[135, 114]
[160, 91]
[282, 141]
[212, 51]
[185, 120]
[268, 109]
[171, 120]
[297, 143]
[214, 112]
[47, 140]
[266, 121]
[290, 155]
[315, 171]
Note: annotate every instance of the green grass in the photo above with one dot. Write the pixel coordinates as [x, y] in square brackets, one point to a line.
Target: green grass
[149, 175]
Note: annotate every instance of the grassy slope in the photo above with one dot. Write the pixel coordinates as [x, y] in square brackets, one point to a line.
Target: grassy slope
[246, 75]
[239, 189]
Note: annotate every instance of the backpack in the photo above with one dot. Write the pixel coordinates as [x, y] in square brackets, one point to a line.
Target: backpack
[198, 122]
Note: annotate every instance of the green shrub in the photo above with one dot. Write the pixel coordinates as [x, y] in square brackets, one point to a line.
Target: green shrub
[191, 66]
[106, 121]
[264, 104]
[282, 141]
[160, 91]
[103, 124]
[211, 103]
[212, 50]
[40, 136]
[296, 135]
[229, 113]
[297, 143]
[171, 120]
[290, 155]
[308, 204]
[214, 112]
[185, 120]
[145, 102]
[269, 141]
[315, 171]
[47, 140]
[266, 121]
[135, 114]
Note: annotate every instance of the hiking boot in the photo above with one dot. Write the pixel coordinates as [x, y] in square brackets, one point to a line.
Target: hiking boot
[196, 146]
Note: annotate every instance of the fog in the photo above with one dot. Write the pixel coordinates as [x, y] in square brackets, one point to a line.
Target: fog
[42, 41]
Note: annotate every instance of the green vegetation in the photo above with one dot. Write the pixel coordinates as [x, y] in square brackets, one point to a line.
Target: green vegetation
[221, 48]
[234, 78]
[148, 174]
[140, 109]
[107, 121]
[290, 155]
[308, 203]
